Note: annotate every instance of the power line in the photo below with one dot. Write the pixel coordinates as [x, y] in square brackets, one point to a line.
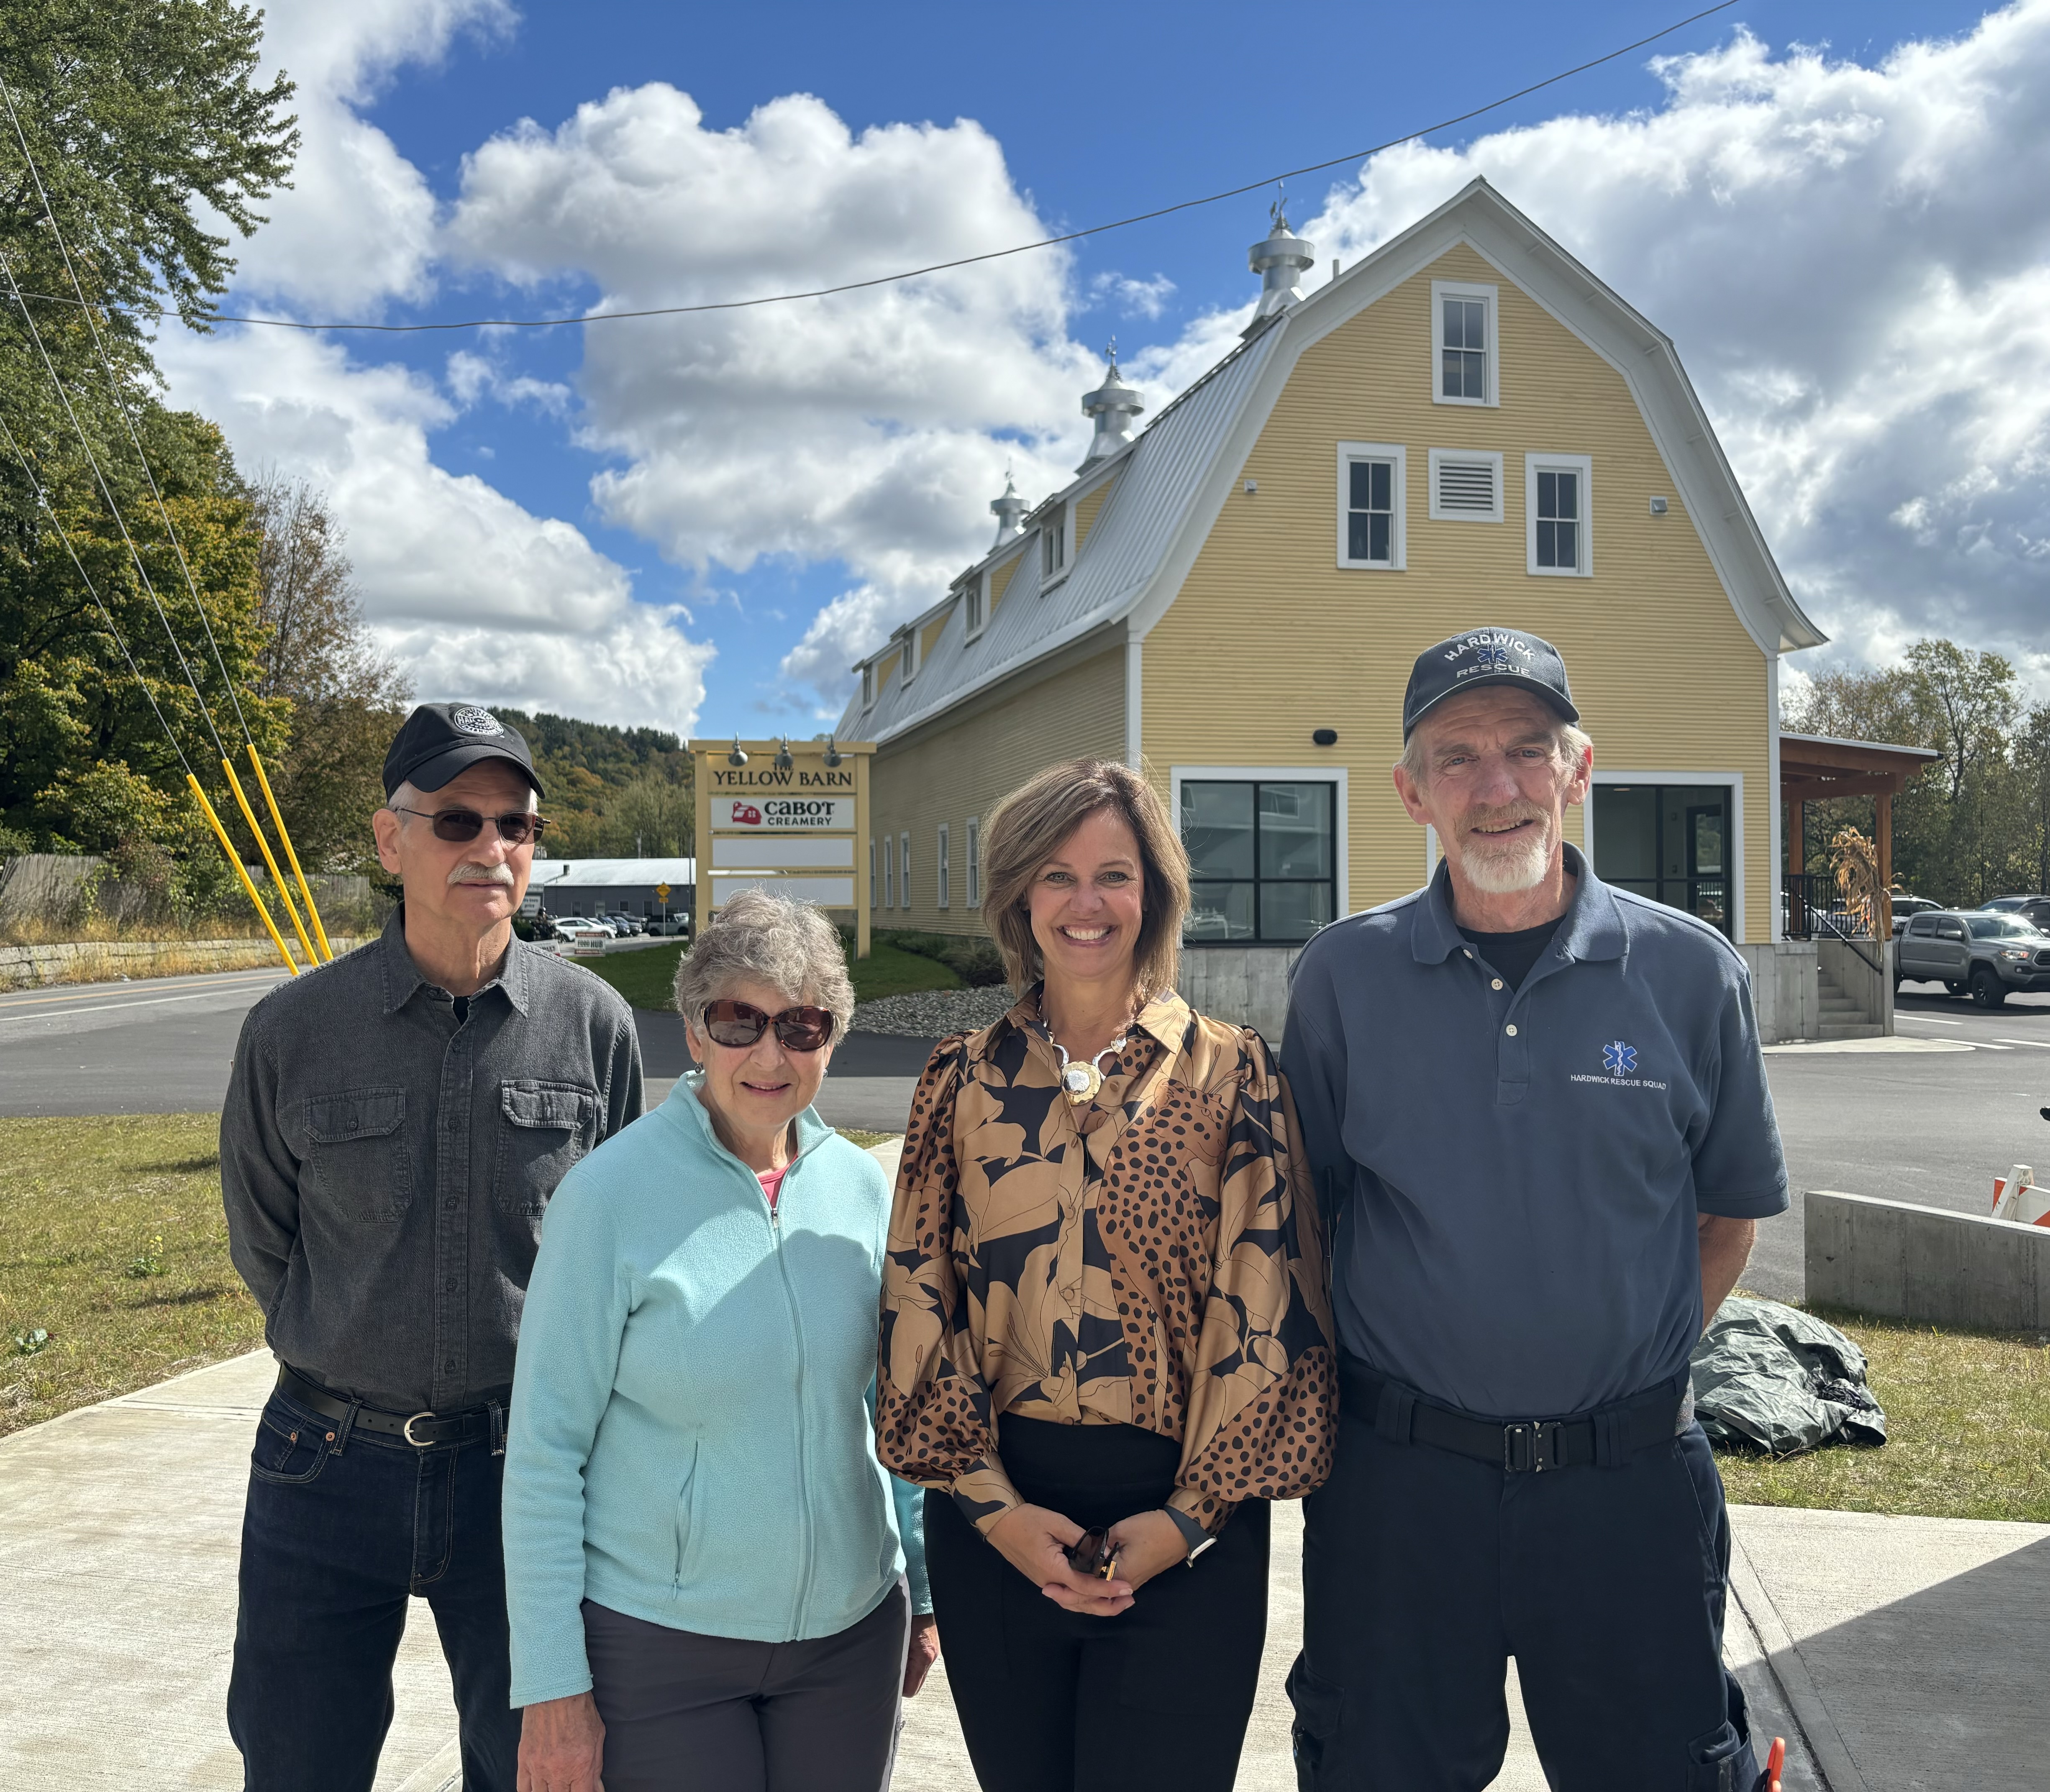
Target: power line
[961, 261]
[121, 405]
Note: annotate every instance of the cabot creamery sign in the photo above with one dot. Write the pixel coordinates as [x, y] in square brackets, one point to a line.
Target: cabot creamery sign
[788, 817]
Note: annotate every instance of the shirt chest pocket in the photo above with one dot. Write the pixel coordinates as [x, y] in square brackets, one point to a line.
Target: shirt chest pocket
[357, 1161]
[543, 1129]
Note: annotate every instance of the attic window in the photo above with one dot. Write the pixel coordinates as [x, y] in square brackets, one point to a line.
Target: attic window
[1463, 344]
[1371, 504]
[868, 684]
[911, 656]
[1557, 491]
[1466, 486]
[973, 605]
[1054, 545]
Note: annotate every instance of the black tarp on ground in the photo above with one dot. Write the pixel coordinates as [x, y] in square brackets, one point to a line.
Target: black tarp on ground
[1778, 1379]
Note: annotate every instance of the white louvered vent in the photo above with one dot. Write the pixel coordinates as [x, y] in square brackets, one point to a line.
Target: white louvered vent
[1467, 486]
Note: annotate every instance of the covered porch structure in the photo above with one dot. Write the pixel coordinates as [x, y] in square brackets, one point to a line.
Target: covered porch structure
[1816, 768]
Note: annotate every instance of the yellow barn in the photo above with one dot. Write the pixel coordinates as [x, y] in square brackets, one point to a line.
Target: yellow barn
[1464, 428]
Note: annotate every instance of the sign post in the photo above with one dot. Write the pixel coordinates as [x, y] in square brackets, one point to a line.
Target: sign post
[796, 828]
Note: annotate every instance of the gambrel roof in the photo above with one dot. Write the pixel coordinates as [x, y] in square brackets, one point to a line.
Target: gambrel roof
[1166, 489]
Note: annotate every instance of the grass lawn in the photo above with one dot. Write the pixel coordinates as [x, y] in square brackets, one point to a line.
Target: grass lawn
[1968, 1430]
[645, 978]
[111, 1241]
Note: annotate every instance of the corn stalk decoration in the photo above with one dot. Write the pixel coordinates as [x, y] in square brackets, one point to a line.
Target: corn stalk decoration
[1860, 893]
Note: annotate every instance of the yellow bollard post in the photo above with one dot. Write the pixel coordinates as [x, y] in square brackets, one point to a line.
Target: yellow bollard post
[277, 879]
[242, 871]
[312, 914]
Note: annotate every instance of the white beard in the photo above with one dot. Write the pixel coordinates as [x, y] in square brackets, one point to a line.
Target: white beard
[1519, 862]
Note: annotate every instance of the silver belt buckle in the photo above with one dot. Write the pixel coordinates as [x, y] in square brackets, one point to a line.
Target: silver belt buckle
[406, 1432]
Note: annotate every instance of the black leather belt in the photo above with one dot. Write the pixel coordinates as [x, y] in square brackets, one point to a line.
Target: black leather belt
[424, 1431]
[1522, 1447]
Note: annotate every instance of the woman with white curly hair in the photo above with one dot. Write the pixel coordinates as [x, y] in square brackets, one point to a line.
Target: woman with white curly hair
[712, 1581]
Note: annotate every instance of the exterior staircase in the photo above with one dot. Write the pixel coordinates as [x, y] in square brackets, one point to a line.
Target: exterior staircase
[1843, 1018]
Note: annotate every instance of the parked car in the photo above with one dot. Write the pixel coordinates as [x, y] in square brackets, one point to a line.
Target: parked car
[578, 930]
[628, 925]
[2034, 909]
[1904, 906]
[1990, 955]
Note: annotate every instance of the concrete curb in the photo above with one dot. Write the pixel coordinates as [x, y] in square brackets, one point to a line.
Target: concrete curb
[1818, 1730]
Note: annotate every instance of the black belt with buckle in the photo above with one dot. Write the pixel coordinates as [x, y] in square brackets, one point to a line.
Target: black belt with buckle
[1520, 1447]
[424, 1431]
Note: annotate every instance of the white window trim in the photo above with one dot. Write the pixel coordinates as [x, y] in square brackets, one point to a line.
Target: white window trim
[943, 869]
[1440, 291]
[868, 684]
[1734, 780]
[872, 892]
[1438, 454]
[1063, 520]
[974, 840]
[910, 657]
[889, 875]
[904, 872]
[974, 606]
[1276, 774]
[1398, 544]
[1583, 465]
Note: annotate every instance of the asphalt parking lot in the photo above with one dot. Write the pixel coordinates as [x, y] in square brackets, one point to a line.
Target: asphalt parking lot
[1933, 1117]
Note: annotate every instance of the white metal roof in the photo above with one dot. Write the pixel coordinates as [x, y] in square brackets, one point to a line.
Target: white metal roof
[586, 873]
[1168, 486]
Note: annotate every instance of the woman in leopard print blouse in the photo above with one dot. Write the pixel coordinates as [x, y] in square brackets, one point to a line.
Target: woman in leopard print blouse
[1104, 1312]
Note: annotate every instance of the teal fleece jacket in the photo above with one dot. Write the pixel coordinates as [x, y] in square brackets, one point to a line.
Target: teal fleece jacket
[691, 1438]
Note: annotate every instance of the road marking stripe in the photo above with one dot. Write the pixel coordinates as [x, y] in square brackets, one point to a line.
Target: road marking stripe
[211, 982]
[1930, 1020]
[2040, 1044]
[108, 1008]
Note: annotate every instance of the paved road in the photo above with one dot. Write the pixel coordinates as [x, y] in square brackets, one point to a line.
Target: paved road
[1934, 1118]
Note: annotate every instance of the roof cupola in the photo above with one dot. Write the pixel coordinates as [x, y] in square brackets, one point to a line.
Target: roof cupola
[1007, 510]
[1113, 405]
[1280, 261]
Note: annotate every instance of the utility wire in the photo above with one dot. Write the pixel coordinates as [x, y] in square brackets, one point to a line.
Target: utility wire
[85, 579]
[106, 491]
[961, 261]
[121, 405]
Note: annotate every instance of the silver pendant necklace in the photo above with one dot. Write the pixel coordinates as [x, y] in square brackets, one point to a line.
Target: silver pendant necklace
[1081, 1081]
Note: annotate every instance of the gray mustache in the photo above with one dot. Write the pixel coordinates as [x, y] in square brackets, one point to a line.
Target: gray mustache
[483, 873]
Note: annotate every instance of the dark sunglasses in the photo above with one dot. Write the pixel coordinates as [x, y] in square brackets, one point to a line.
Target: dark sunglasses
[1093, 1555]
[738, 1023]
[514, 828]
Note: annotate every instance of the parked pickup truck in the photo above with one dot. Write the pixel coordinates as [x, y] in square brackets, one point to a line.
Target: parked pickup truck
[1989, 955]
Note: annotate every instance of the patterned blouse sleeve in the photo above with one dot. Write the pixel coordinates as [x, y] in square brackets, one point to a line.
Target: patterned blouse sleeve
[932, 1411]
[1262, 1417]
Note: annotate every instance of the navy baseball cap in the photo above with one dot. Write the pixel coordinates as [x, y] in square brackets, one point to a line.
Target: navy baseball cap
[1485, 656]
[440, 740]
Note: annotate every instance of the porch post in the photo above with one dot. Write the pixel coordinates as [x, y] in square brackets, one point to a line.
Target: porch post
[1797, 837]
[1883, 827]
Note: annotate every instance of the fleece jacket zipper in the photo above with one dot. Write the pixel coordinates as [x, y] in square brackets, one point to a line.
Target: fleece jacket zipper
[798, 1330]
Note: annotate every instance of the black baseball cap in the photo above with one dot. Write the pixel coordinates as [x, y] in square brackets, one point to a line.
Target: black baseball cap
[1484, 656]
[440, 740]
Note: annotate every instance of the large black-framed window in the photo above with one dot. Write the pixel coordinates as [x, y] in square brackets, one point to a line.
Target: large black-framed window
[1670, 842]
[1263, 859]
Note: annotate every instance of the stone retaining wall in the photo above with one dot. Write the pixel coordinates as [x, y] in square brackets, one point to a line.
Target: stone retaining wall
[108, 960]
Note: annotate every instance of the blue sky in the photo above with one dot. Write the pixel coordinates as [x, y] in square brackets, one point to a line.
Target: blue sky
[698, 523]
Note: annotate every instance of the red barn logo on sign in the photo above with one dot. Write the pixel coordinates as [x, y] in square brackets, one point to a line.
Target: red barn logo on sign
[746, 815]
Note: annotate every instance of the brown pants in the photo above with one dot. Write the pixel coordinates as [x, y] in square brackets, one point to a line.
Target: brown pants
[683, 1711]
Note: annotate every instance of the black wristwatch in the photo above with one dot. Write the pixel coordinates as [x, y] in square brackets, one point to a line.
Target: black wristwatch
[1197, 1539]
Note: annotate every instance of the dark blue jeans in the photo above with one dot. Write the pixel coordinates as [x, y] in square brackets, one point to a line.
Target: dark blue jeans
[1423, 1572]
[338, 1535]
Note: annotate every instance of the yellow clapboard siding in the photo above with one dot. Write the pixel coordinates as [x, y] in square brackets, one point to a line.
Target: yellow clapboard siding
[1086, 509]
[963, 769]
[1269, 638]
[930, 633]
[999, 580]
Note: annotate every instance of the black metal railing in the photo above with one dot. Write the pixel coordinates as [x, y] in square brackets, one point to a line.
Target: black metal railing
[1812, 909]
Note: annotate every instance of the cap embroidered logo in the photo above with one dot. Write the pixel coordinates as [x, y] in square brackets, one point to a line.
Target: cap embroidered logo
[1618, 1059]
[477, 721]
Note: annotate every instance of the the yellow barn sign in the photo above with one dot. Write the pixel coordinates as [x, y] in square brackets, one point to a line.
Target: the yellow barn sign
[789, 816]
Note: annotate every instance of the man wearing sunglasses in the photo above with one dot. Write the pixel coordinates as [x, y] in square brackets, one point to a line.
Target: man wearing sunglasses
[394, 1126]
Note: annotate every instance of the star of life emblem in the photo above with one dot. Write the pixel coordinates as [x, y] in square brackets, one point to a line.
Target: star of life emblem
[477, 721]
[1493, 657]
[1618, 1059]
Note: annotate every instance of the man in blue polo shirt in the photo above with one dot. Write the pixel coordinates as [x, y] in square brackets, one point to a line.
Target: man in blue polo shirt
[1538, 1120]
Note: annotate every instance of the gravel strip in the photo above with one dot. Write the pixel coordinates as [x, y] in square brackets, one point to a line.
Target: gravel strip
[932, 1013]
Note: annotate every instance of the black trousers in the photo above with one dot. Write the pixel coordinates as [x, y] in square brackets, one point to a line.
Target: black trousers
[683, 1713]
[1051, 1701]
[1423, 1572]
[339, 1535]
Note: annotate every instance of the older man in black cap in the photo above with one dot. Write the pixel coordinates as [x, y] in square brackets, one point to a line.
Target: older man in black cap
[394, 1126]
[1536, 1110]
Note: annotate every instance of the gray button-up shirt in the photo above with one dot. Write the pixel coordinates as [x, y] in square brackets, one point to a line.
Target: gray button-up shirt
[385, 1168]
[1517, 1172]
